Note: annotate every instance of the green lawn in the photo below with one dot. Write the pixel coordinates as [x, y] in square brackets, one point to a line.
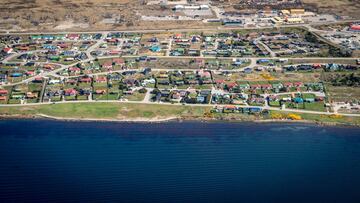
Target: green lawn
[274, 103]
[136, 96]
[35, 87]
[98, 110]
[82, 97]
[308, 95]
[313, 106]
[70, 98]
[113, 96]
[31, 100]
[107, 110]
[14, 101]
[99, 96]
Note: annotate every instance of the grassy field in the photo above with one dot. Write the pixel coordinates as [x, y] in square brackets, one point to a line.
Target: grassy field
[343, 93]
[339, 7]
[78, 15]
[325, 118]
[107, 111]
[119, 111]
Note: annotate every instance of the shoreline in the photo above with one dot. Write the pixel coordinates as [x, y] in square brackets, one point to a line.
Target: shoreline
[173, 119]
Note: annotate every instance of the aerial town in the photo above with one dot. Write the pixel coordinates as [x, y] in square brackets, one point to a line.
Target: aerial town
[180, 101]
[278, 56]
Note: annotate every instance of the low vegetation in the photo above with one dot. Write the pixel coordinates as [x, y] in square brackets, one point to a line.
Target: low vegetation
[121, 111]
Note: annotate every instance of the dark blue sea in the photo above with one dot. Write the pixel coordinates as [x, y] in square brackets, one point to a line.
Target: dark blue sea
[52, 161]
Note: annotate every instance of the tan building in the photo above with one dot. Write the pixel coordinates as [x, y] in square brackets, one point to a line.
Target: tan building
[294, 20]
[277, 21]
[285, 12]
[297, 11]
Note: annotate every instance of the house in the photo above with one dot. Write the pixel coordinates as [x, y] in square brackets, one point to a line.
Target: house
[114, 77]
[53, 57]
[69, 53]
[177, 36]
[230, 86]
[176, 95]
[119, 61]
[38, 80]
[3, 78]
[263, 61]
[69, 59]
[71, 81]
[101, 79]
[85, 91]
[3, 92]
[277, 86]
[70, 92]
[114, 52]
[16, 75]
[17, 96]
[237, 62]
[45, 46]
[75, 70]
[288, 84]
[130, 82]
[266, 86]
[229, 109]
[200, 62]
[255, 87]
[107, 65]
[63, 45]
[30, 73]
[48, 66]
[7, 50]
[298, 84]
[309, 99]
[146, 71]
[73, 36]
[273, 98]
[298, 100]
[153, 40]
[248, 70]
[317, 66]
[85, 79]
[256, 100]
[53, 81]
[155, 48]
[219, 81]
[200, 99]
[204, 74]
[319, 99]
[255, 110]
[165, 93]
[286, 99]
[100, 91]
[244, 86]
[31, 95]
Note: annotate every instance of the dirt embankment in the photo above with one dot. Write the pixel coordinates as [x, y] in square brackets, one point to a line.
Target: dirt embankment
[77, 15]
[338, 7]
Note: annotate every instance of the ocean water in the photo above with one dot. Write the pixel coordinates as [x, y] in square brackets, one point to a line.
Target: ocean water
[52, 161]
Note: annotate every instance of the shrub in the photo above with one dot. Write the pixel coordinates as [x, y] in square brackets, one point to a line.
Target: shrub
[294, 116]
[143, 91]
